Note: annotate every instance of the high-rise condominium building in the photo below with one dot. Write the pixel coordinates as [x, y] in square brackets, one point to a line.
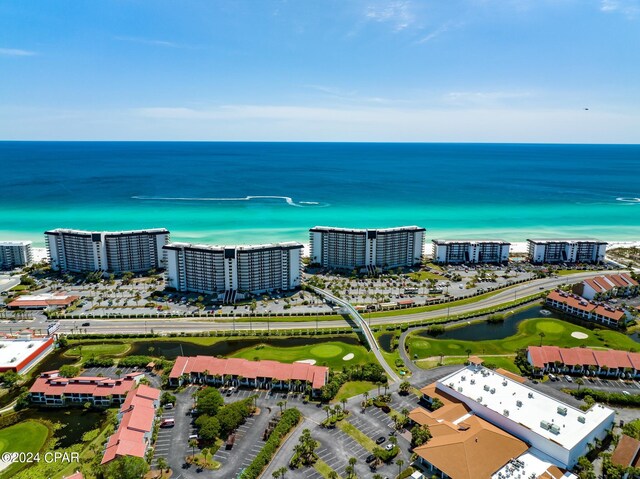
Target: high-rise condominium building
[15, 253]
[231, 271]
[470, 251]
[566, 250]
[346, 248]
[120, 251]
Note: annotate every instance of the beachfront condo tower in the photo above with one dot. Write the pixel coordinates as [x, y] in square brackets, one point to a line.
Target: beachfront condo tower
[371, 249]
[15, 253]
[233, 271]
[470, 251]
[117, 252]
[549, 251]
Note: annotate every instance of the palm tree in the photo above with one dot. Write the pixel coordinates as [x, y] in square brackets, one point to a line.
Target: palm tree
[579, 382]
[276, 474]
[280, 404]
[283, 472]
[193, 443]
[252, 308]
[468, 351]
[400, 463]
[162, 464]
[334, 475]
[542, 335]
[327, 409]
[344, 404]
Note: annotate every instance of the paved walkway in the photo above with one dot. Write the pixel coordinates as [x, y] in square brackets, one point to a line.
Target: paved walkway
[364, 327]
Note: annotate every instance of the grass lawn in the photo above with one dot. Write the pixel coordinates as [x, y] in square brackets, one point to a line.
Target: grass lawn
[281, 319]
[323, 468]
[27, 436]
[435, 307]
[353, 388]
[329, 353]
[362, 439]
[499, 361]
[97, 350]
[556, 332]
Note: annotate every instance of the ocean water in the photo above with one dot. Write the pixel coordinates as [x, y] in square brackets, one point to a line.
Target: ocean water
[236, 193]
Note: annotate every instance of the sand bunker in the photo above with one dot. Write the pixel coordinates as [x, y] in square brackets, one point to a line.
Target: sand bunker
[579, 335]
[348, 357]
[307, 361]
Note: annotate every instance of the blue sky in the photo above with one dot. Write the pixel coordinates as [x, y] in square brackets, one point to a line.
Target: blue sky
[325, 70]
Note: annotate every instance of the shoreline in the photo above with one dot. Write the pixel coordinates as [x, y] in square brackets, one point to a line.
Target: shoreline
[517, 247]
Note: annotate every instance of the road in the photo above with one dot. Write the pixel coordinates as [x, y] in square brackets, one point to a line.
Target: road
[132, 326]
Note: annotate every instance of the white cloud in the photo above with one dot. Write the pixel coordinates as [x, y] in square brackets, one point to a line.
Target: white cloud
[397, 13]
[629, 8]
[483, 98]
[147, 41]
[15, 52]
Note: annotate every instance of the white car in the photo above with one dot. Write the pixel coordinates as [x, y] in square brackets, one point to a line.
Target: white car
[389, 446]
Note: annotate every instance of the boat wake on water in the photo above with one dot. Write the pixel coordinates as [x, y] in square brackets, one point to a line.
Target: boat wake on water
[628, 200]
[286, 199]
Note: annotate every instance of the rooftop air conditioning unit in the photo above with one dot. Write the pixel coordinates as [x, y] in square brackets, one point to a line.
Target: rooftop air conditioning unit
[562, 411]
[473, 381]
[486, 387]
[555, 429]
[463, 378]
[519, 403]
[582, 419]
[479, 399]
[505, 413]
[504, 383]
[493, 390]
[530, 395]
[545, 425]
[459, 389]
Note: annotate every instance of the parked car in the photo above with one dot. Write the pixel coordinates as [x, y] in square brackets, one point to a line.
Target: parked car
[168, 422]
[86, 324]
[370, 458]
[193, 436]
[389, 446]
[568, 378]
[230, 441]
[381, 439]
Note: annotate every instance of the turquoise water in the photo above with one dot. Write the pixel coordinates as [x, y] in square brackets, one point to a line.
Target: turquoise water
[199, 190]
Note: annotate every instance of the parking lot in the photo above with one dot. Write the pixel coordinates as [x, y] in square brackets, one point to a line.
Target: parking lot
[609, 385]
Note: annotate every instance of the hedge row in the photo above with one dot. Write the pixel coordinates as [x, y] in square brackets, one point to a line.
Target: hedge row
[618, 399]
[289, 420]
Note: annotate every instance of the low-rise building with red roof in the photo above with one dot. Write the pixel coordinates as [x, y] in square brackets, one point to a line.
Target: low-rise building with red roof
[627, 452]
[43, 301]
[587, 310]
[137, 417]
[607, 286]
[51, 389]
[255, 374]
[616, 363]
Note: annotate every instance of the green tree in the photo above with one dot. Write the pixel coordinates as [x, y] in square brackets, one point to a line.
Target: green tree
[209, 429]
[405, 387]
[163, 464]
[126, 467]
[420, 435]
[209, 401]
[400, 463]
[193, 443]
[68, 371]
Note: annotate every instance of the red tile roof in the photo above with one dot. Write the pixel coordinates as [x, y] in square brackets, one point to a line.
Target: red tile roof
[138, 415]
[51, 384]
[627, 452]
[571, 300]
[43, 300]
[316, 375]
[542, 355]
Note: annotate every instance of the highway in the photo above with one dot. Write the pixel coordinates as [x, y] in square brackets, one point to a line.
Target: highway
[192, 325]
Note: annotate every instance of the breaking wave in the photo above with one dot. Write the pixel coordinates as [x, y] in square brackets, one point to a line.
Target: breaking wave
[628, 200]
[286, 199]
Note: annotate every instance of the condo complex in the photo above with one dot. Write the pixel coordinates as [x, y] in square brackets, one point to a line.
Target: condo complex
[78, 251]
[372, 249]
[470, 251]
[553, 251]
[15, 253]
[233, 271]
[254, 374]
[495, 426]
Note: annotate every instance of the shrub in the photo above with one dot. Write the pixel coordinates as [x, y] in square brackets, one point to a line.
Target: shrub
[288, 421]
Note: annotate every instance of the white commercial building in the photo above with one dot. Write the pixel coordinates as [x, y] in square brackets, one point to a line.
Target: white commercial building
[345, 248]
[233, 270]
[566, 250]
[15, 253]
[470, 251]
[120, 251]
[552, 427]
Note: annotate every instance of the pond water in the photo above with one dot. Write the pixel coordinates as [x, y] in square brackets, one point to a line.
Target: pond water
[483, 331]
[385, 341]
[75, 422]
[173, 349]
